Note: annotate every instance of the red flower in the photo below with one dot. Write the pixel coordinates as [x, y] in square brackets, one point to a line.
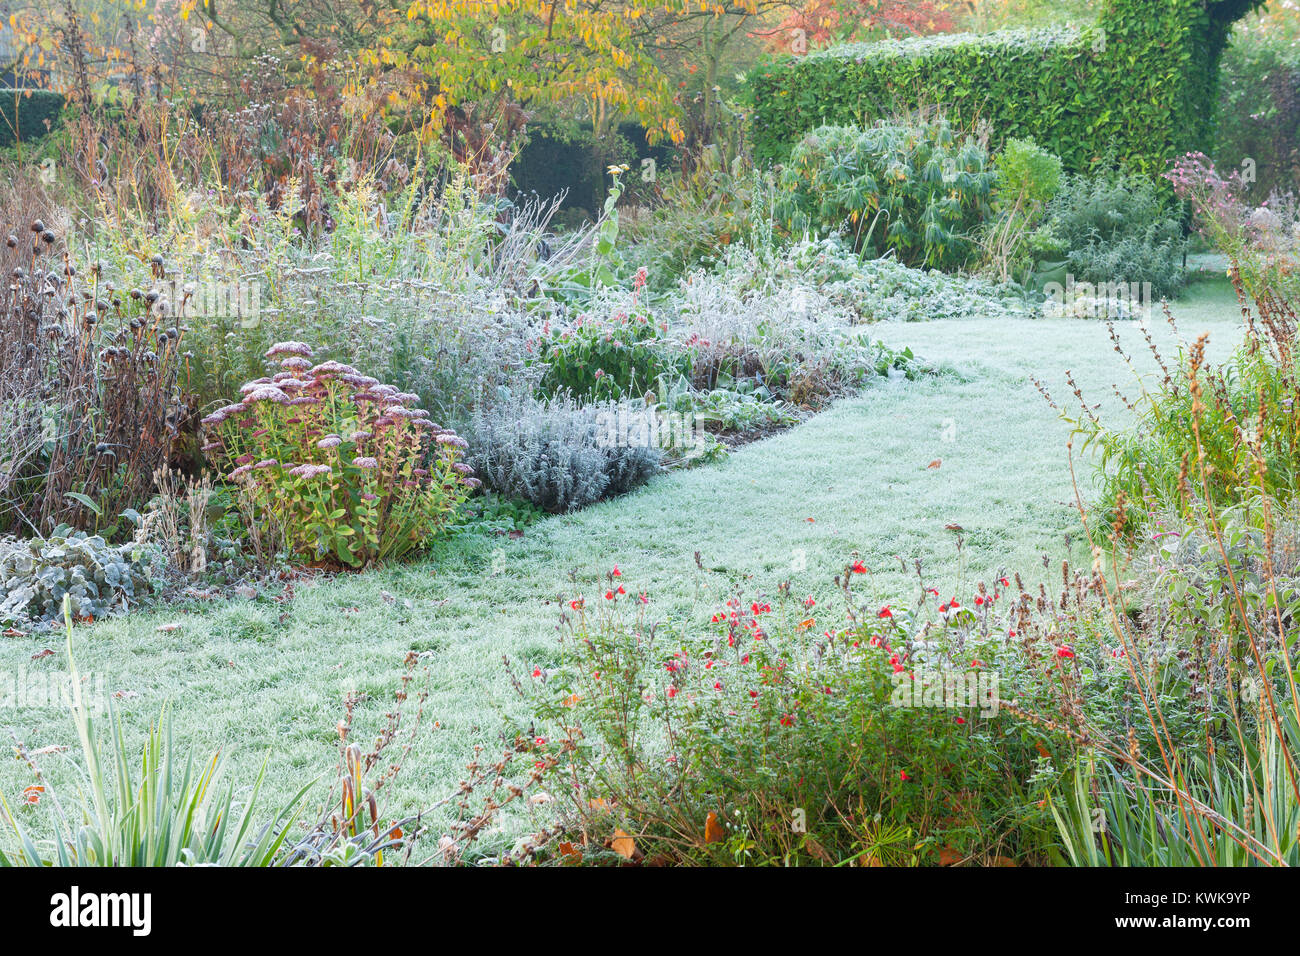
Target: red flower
[858, 568]
[609, 595]
[537, 672]
[787, 720]
[1064, 652]
[902, 775]
[808, 601]
[672, 691]
[616, 572]
[885, 612]
[576, 604]
[961, 720]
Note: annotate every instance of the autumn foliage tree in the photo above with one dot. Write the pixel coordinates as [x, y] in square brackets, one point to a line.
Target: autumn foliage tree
[822, 22]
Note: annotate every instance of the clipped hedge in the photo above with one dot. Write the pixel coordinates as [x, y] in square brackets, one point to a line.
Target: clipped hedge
[23, 114]
[1138, 86]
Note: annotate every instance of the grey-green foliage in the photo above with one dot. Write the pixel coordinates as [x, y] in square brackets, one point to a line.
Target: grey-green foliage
[827, 279]
[36, 573]
[1117, 228]
[558, 454]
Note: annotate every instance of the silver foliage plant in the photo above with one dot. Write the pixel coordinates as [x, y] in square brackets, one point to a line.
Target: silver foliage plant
[557, 454]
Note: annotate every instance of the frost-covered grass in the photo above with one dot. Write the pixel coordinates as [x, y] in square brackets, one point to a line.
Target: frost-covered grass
[259, 676]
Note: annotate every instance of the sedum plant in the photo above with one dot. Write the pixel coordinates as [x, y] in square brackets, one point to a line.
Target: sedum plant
[336, 463]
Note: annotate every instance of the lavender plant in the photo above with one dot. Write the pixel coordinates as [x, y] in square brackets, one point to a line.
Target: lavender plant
[553, 453]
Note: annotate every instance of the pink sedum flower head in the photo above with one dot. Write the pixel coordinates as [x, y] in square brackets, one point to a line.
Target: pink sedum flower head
[297, 349]
[310, 471]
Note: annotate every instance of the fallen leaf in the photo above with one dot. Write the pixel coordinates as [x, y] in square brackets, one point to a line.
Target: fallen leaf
[33, 793]
[571, 700]
[125, 694]
[1002, 861]
[45, 653]
[817, 850]
[954, 527]
[14, 632]
[623, 845]
[935, 464]
[713, 829]
[51, 749]
[168, 628]
[948, 856]
[567, 849]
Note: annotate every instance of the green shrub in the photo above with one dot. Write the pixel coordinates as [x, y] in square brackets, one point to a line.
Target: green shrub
[774, 737]
[913, 190]
[1026, 174]
[1243, 410]
[1117, 228]
[36, 574]
[1027, 177]
[1205, 774]
[1139, 84]
[594, 359]
[336, 464]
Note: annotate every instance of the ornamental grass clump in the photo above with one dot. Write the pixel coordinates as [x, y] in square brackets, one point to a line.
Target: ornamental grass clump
[337, 464]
